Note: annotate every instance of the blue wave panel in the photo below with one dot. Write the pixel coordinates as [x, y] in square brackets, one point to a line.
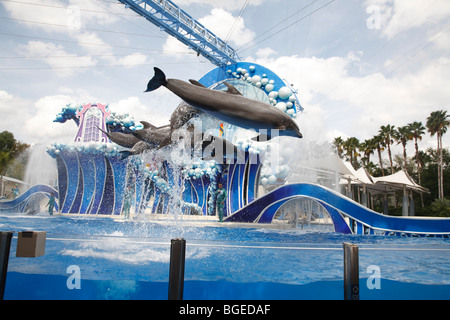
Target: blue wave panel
[107, 204]
[206, 183]
[79, 195]
[253, 176]
[71, 160]
[62, 180]
[189, 192]
[88, 169]
[171, 179]
[340, 225]
[100, 174]
[331, 199]
[234, 192]
[140, 187]
[199, 186]
[165, 204]
[156, 201]
[119, 168]
[18, 204]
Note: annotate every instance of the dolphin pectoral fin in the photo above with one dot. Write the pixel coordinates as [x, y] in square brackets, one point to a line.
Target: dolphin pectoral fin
[232, 89]
[158, 80]
[196, 83]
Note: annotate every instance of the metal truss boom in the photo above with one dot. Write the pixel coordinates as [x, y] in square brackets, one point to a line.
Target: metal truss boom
[171, 19]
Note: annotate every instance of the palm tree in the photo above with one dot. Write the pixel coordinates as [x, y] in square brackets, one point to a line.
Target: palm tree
[379, 143]
[368, 147]
[437, 123]
[417, 130]
[350, 146]
[387, 132]
[338, 143]
[403, 135]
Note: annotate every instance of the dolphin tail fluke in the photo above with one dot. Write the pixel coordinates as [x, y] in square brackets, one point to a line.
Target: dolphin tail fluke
[158, 80]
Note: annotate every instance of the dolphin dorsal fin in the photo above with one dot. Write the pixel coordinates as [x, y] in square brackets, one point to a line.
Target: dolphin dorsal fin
[196, 83]
[147, 125]
[231, 89]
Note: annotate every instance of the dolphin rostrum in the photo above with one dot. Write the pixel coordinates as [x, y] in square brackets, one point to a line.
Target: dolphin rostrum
[125, 140]
[232, 108]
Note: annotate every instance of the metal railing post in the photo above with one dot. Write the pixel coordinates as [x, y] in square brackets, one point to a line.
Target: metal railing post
[351, 272]
[176, 272]
[5, 246]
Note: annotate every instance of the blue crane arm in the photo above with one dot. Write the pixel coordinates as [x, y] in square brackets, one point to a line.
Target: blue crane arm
[171, 19]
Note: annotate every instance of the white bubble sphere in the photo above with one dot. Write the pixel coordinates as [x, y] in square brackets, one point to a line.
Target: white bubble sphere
[284, 93]
[272, 179]
[269, 87]
[256, 79]
[264, 181]
[273, 94]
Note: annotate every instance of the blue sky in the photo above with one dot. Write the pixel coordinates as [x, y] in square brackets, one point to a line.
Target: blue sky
[356, 64]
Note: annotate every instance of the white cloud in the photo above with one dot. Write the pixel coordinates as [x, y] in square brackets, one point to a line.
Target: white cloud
[157, 109]
[39, 126]
[13, 110]
[60, 17]
[32, 122]
[47, 11]
[133, 59]
[220, 22]
[62, 62]
[175, 48]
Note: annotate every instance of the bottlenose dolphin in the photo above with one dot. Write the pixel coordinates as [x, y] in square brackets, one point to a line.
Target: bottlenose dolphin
[232, 108]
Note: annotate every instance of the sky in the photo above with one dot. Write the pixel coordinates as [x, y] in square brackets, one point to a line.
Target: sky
[357, 65]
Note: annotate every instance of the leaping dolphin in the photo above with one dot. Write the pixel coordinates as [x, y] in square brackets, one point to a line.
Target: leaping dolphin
[232, 108]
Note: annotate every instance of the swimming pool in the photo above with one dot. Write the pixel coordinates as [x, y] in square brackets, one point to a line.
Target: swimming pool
[102, 258]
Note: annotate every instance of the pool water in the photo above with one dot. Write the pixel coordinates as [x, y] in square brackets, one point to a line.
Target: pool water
[116, 259]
